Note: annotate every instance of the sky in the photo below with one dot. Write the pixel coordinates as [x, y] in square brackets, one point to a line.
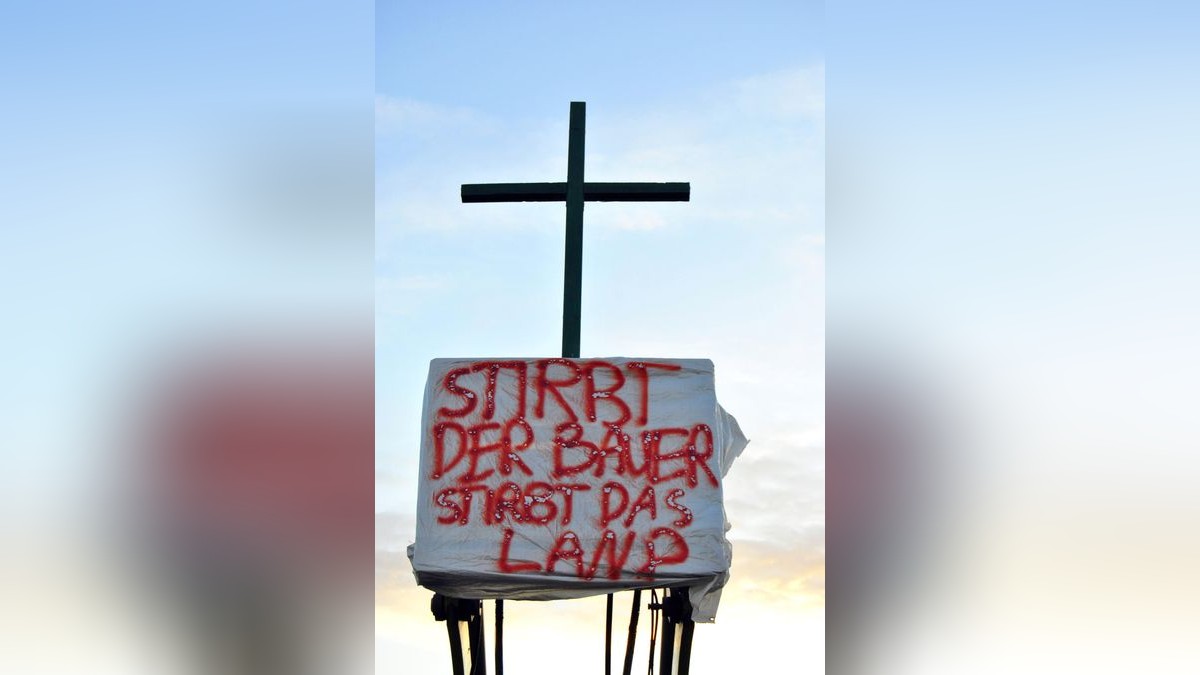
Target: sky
[1013, 236]
[1009, 188]
[179, 183]
[729, 100]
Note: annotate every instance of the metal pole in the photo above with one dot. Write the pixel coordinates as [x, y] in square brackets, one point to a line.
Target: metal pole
[456, 654]
[685, 647]
[573, 278]
[632, 639]
[499, 636]
[475, 628]
[608, 636]
[668, 643]
[573, 267]
[655, 613]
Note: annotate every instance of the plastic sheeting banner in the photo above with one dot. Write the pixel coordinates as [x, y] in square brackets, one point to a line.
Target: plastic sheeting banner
[561, 478]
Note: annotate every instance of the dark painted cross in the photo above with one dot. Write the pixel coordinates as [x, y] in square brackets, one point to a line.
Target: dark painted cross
[575, 192]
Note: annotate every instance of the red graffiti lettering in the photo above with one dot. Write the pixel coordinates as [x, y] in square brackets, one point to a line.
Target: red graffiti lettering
[507, 498]
[569, 436]
[543, 383]
[592, 394]
[694, 458]
[685, 513]
[566, 547]
[475, 449]
[503, 564]
[442, 499]
[645, 500]
[568, 491]
[539, 503]
[457, 510]
[450, 384]
[502, 446]
[481, 436]
[652, 446]
[493, 368]
[440, 465]
[676, 551]
[508, 451]
[534, 504]
[608, 544]
[641, 370]
[616, 444]
[607, 512]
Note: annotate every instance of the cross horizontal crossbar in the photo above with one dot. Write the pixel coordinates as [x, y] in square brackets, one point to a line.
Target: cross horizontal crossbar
[592, 192]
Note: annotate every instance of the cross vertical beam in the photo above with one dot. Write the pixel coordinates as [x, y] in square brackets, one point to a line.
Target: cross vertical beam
[573, 266]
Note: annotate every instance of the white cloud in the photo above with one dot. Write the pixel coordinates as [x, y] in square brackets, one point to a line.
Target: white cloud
[790, 94]
[752, 149]
[806, 253]
[635, 220]
[404, 295]
[405, 116]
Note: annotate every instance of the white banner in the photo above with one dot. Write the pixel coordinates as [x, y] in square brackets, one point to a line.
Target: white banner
[561, 478]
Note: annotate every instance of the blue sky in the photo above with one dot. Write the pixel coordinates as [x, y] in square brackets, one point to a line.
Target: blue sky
[1012, 225]
[514, 59]
[153, 163]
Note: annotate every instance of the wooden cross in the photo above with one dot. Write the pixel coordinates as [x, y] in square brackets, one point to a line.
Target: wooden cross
[575, 192]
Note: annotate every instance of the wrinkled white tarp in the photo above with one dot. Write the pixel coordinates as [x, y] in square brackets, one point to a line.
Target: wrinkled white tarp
[536, 475]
